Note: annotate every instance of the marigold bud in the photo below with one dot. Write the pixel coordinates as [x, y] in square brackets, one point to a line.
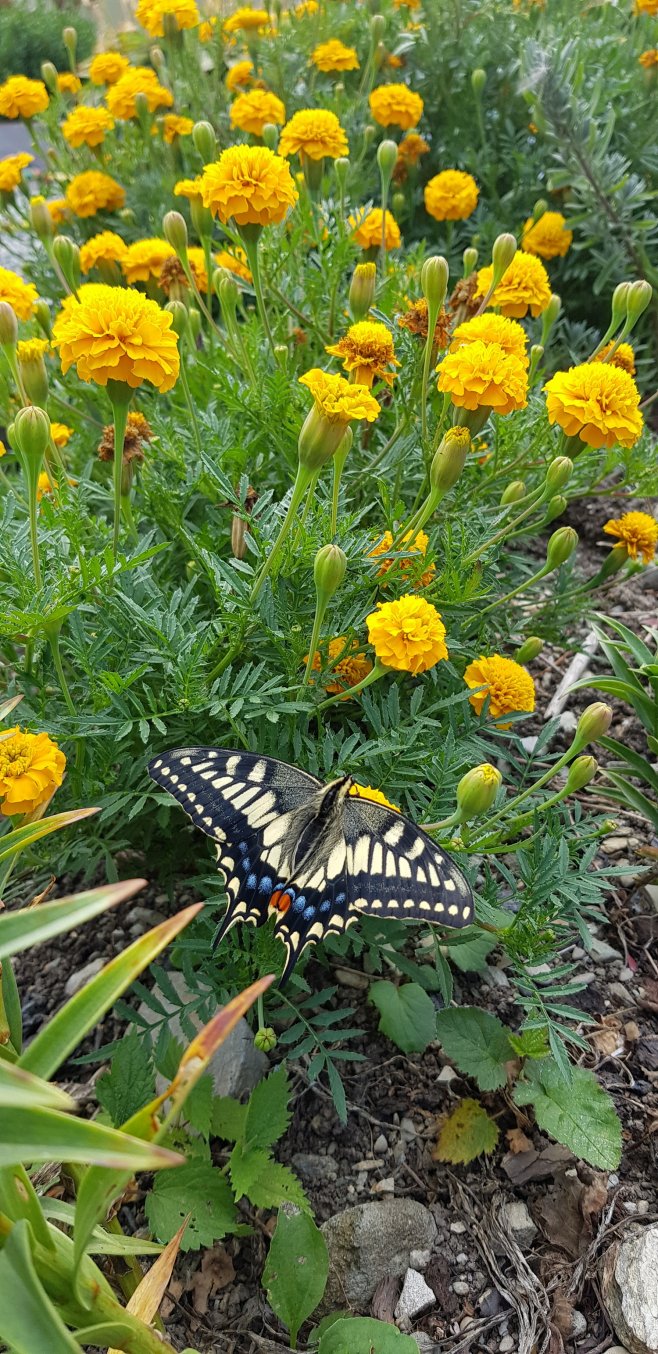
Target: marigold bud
[536, 354]
[434, 276]
[35, 378]
[238, 534]
[40, 219]
[558, 474]
[554, 508]
[8, 326]
[157, 58]
[529, 650]
[362, 289]
[180, 320]
[539, 208]
[341, 170]
[368, 135]
[194, 317]
[265, 1039]
[503, 252]
[49, 76]
[580, 773]
[174, 230]
[387, 154]
[70, 40]
[398, 204]
[67, 255]
[478, 81]
[619, 305]
[329, 571]
[639, 296]
[561, 546]
[377, 27]
[143, 111]
[270, 135]
[477, 791]
[319, 439]
[226, 290]
[514, 492]
[31, 432]
[42, 317]
[449, 459]
[470, 257]
[593, 724]
[205, 141]
[549, 317]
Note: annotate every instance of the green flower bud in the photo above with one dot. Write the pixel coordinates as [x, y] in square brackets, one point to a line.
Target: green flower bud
[539, 208]
[341, 170]
[319, 439]
[329, 571]
[264, 1039]
[639, 296]
[530, 649]
[398, 204]
[143, 111]
[387, 154]
[180, 318]
[470, 257]
[449, 459]
[536, 354]
[503, 252]
[593, 724]
[270, 136]
[561, 546]
[8, 326]
[434, 276]
[478, 81]
[34, 378]
[477, 791]
[558, 474]
[227, 291]
[514, 492]
[377, 27]
[362, 290]
[554, 508]
[580, 773]
[42, 317]
[70, 40]
[31, 431]
[174, 230]
[194, 317]
[619, 305]
[158, 60]
[368, 135]
[549, 318]
[40, 219]
[67, 254]
[49, 76]
[205, 141]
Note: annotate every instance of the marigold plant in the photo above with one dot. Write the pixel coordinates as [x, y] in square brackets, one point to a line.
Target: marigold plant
[407, 635]
[451, 195]
[112, 334]
[525, 287]
[31, 769]
[249, 185]
[396, 105]
[596, 402]
[638, 531]
[314, 132]
[92, 192]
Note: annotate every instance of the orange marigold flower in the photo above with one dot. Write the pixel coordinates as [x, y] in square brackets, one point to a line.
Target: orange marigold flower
[314, 132]
[247, 20]
[367, 229]
[87, 126]
[417, 551]
[508, 334]
[368, 792]
[235, 261]
[349, 667]
[239, 75]
[31, 768]
[189, 188]
[623, 356]
[334, 56]
[151, 14]
[207, 28]
[20, 295]
[367, 350]
[306, 8]
[338, 400]
[174, 125]
[22, 98]
[646, 7]
[108, 67]
[106, 247]
[508, 687]
[649, 58]
[250, 185]
[144, 259]
[482, 375]
[524, 287]
[407, 635]
[45, 486]
[548, 236]
[93, 192]
[117, 334]
[68, 83]
[396, 105]
[451, 195]
[411, 147]
[596, 402]
[60, 433]
[11, 169]
[121, 96]
[250, 112]
[637, 531]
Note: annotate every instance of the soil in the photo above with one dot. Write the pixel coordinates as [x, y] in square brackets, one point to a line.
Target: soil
[488, 1289]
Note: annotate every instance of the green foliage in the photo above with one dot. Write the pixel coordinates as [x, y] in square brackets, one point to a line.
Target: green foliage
[199, 1190]
[365, 1335]
[467, 1133]
[29, 37]
[129, 1083]
[478, 1044]
[578, 1113]
[296, 1270]
[406, 1014]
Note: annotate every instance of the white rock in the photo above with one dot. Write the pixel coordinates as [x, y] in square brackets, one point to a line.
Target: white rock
[458, 1228]
[420, 1259]
[651, 895]
[506, 1344]
[461, 1288]
[614, 845]
[630, 1292]
[371, 1242]
[78, 979]
[515, 1218]
[602, 952]
[416, 1297]
[380, 1145]
[447, 1074]
[236, 1067]
[578, 1324]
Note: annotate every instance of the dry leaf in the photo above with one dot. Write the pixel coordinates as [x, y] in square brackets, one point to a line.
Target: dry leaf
[146, 1299]
[217, 1271]
[594, 1199]
[517, 1141]
[523, 1167]
[467, 1133]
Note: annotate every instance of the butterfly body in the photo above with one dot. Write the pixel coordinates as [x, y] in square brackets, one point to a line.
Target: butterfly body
[312, 855]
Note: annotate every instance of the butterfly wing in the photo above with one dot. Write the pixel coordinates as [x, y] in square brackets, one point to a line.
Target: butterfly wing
[396, 871]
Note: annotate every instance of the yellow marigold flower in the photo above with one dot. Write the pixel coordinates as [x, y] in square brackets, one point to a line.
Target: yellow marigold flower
[31, 768]
[306, 8]
[235, 262]
[314, 132]
[524, 287]
[249, 184]
[368, 792]
[451, 195]
[30, 350]
[93, 192]
[367, 230]
[367, 350]
[189, 188]
[151, 15]
[136, 80]
[548, 237]
[22, 98]
[60, 433]
[406, 4]
[407, 635]
[509, 687]
[68, 83]
[508, 334]
[337, 399]
[108, 67]
[247, 20]
[597, 402]
[482, 375]
[87, 126]
[173, 125]
[207, 28]
[411, 147]
[45, 487]
[396, 105]
[349, 666]
[20, 295]
[239, 75]
[251, 111]
[144, 259]
[649, 58]
[638, 532]
[623, 357]
[334, 56]
[58, 208]
[106, 247]
[11, 169]
[3, 449]
[117, 334]
[418, 550]
[646, 6]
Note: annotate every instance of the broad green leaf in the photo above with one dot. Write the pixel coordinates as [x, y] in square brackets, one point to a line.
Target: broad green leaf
[477, 1043]
[268, 1114]
[34, 925]
[531, 1043]
[466, 1134]
[228, 1118]
[130, 1082]
[365, 1335]
[202, 1191]
[406, 1014]
[296, 1270]
[30, 1321]
[30, 1135]
[18, 1087]
[20, 837]
[471, 955]
[581, 1115]
[73, 1021]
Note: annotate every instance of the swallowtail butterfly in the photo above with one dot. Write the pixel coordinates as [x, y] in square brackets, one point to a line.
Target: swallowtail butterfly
[311, 854]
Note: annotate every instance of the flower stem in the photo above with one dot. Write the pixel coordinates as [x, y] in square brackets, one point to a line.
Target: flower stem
[506, 530]
[34, 536]
[340, 458]
[302, 483]
[190, 406]
[320, 610]
[53, 632]
[377, 671]
[251, 250]
[120, 395]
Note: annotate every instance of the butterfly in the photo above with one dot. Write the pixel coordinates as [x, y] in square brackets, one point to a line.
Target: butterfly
[311, 854]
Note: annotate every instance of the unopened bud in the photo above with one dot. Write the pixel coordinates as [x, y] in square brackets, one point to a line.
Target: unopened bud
[70, 40]
[478, 81]
[398, 203]
[449, 459]
[341, 170]
[536, 354]
[503, 252]
[180, 322]
[434, 276]
[619, 304]
[226, 290]
[49, 76]
[67, 254]
[175, 232]
[561, 546]
[205, 141]
[558, 474]
[362, 290]
[265, 1039]
[529, 650]
[158, 60]
[387, 154]
[40, 219]
[194, 317]
[319, 439]
[477, 791]
[142, 110]
[514, 492]
[593, 724]
[580, 773]
[31, 432]
[270, 135]
[42, 317]
[549, 317]
[470, 257]
[368, 135]
[377, 27]
[8, 325]
[238, 534]
[380, 55]
[33, 371]
[539, 208]
[554, 508]
[329, 571]
[639, 296]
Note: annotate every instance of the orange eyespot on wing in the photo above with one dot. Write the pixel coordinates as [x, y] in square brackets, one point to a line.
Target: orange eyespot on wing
[280, 901]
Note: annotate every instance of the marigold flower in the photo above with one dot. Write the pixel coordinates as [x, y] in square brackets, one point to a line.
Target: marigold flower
[596, 402]
[524, 286]
[30, 350]
[368, 792]
[483, 375]
[417, 551]
[367, 230]
[239, 75]
[649, 58]
[31, 768]
[548, 236]
[60, 433]
[87, 126]
[338, 400]
[197, 262]
[508, 334]
[247, 20]
[106, 247]
[45, 486]
[93, 192]
[189, 188]
[314, 132]
[451, 195]
[251, 111]
[58, 208]
[108, 67]
[22, 98]
[117, 334]
[623, 357]
[637, 531]
[151, 15]
[416, 320]
[173, 125]
[334, 56]
[144, 259]
[646, 6]
[20, 295]
[367, 350]
[509, 688]
[235, 262]
[68, 83]
[396, 105]
[11, 169]
[207, 28]
[407, 635]
[349, 667]
[136, 80]
[306, 8]
[411, 147]
[249, 184]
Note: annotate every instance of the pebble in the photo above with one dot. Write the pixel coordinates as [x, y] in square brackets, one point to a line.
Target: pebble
[625, 975]
[408, 1129]
[614, 845]
[461, 1288]
[380, 1144]
[629, 1206]
[420, 1259]
[642, 1207]
[458, 1228]
[385, 1186]
[506, 1344]
[447, 1074]
[149, 915]
[651, 895]
[77, 980]
[602, 952]
[578, 1324]
[416, 1297]
[516, 1219]
[314, 1167]
[620, 992]
[358, 981]
[494, 977]
[462, 1258]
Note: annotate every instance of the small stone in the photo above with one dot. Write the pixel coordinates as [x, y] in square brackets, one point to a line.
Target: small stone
[516, 1219]
[494, 977]
[416, 1297]
[651, 895]
[490, 1303]
[578, 1324]
[462, 1258]
[458, 1228]
[625, 975]
[643, 1207]
[461, 1288]
[149, 915]
[420, 1259]
[506, 1344]
[628, 1284]
[314, 1167]
[614, 845]
[380, 1145]
[465, 1322]
[447, 1074]
[537, 970]
[408, 1129]
[629, 1206]
[359, 982]
[370, 1242]
[603, 953]
[649, 578]
[385, 1186]
[621, 993]
[77, 980]
[425, 1342]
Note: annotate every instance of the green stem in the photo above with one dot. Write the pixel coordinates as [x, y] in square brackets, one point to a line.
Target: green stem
[251, 250]
[302, 482]
[320, 610]
[340, 458]
[53, 633]
[432, 316]
[505, 531]
[120, 396]
[377, 671]
[190, 407]
[34, 536]
[509, 596]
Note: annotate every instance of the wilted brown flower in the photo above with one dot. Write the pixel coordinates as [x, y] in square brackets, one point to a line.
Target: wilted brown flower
[138, 431]
[172, 277]
[463, 301]
[415, 320]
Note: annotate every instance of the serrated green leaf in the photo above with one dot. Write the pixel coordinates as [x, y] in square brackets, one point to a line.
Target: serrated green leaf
[466, 1134]
[406, 1014]
[296, 1270]
[130, 1082]
[278, 1185]
[531, 1043]
[581, 1115]
[471, 955]
[268, 1114]
[365, 1335]
[200, 1190]
[477, 1043]
[228, 1118]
